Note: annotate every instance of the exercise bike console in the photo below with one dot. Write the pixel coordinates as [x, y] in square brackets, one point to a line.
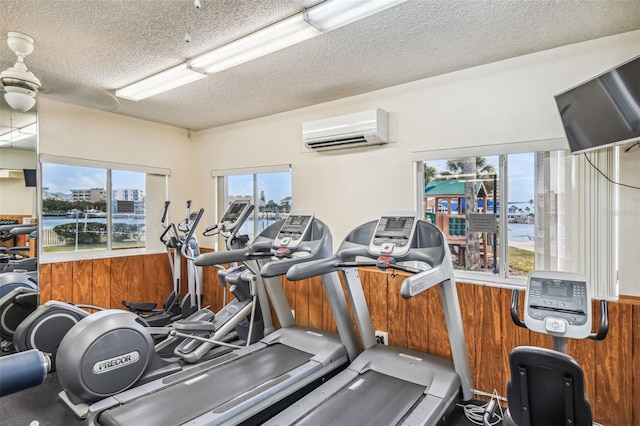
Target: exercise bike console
[558, 304]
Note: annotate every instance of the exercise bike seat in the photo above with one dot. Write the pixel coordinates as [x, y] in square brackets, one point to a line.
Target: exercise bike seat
[546, 388]
[139, 307]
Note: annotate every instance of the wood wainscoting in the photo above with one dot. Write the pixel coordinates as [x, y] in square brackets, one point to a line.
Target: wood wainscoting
[612, 366]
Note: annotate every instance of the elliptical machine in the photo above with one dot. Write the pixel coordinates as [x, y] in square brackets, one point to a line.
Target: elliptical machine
[175, 308]
[44, 327]
[546, 387]
[241, 321]
[16, 259]
[18, 299]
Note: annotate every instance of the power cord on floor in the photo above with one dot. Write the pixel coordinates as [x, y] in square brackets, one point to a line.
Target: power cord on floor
[474, 413]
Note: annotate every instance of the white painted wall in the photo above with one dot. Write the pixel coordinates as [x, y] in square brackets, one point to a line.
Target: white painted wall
[503, 102]
[15, 197]
[72, 131]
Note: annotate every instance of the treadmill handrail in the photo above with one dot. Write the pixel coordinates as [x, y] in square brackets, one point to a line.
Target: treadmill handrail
[220, 257]
[313, 268]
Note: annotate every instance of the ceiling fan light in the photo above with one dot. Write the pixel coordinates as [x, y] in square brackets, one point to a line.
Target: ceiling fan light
[332, 14]
[20, 44]
[20, 99]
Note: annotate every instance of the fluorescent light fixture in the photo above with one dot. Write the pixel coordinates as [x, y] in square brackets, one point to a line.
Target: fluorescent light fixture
[30, 129]
[326, 16]
[161, 82]
[332, 14]
[282, 34]
[16, 135]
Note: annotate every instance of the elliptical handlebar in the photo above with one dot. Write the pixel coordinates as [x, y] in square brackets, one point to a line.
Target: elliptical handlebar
[164, 212]
[170, 242]
[192, 229]
[211, 231]
[184, 225]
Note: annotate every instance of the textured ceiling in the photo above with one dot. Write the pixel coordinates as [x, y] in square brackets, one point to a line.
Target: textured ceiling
[85, 49]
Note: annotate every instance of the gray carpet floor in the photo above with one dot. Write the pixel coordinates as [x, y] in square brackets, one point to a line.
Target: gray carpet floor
[40, 404]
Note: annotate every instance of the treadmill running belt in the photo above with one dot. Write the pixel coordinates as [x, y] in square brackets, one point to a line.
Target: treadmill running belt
[371, 399]
[186, 400]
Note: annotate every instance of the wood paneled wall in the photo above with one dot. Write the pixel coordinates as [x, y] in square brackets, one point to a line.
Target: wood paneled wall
[612, 366]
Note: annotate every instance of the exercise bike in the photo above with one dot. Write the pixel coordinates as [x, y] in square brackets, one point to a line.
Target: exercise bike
[546, 387]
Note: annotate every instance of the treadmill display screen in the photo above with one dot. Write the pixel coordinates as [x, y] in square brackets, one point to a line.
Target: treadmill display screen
[395, 223]
[293, 230]
[393, 232]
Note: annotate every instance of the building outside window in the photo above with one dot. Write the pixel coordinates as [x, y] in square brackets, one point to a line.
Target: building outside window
[92, 208]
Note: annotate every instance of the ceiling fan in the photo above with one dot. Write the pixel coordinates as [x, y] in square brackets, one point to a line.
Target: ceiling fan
[20, 85]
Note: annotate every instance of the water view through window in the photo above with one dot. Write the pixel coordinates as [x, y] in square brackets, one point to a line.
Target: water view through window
[75, 215]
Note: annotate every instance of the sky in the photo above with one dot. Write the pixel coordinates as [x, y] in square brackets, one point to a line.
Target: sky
[62, 178]
[276, 186]
[521, 175]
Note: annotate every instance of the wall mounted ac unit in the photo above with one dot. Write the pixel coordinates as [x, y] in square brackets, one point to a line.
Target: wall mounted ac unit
[347, 131]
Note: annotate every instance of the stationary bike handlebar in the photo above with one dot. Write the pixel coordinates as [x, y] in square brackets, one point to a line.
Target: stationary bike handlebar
[603, 326]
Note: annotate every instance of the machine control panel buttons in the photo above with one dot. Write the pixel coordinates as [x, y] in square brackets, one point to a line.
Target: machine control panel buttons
[555, 325]
[387, 248]
[285, 241]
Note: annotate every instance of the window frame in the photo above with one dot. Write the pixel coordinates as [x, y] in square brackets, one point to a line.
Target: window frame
[502, 151]
[98, 253]
[221, 196]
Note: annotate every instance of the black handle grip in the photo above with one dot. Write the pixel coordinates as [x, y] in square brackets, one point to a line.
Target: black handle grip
[211, 231]
[514, 309]
[165, 211]
[603, 327]
[163, 236]
[188, 204]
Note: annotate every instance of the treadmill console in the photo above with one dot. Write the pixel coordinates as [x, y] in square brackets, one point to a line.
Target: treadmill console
[235, 214]
[559, 304]
[293, 230]
[393, 234]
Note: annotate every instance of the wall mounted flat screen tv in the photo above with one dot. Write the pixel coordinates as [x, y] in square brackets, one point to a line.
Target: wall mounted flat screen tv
[604, 110]
[30, 178]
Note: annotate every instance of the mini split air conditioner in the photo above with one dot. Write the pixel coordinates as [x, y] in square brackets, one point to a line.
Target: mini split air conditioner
[347, 131]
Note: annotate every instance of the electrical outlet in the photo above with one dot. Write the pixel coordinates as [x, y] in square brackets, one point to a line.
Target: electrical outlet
[382, 337]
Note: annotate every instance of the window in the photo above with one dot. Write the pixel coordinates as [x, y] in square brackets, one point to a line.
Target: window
[86, 207]
[270, 186]
[127, 209]
[508, 214]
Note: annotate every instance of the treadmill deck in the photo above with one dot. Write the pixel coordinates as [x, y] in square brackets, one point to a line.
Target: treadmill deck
[217, 387]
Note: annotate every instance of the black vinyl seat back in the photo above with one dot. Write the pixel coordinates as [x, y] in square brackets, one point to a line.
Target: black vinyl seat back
[546, 388]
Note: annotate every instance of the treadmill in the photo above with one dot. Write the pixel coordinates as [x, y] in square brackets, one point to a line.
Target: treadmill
[386, 385]
[236, 386]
